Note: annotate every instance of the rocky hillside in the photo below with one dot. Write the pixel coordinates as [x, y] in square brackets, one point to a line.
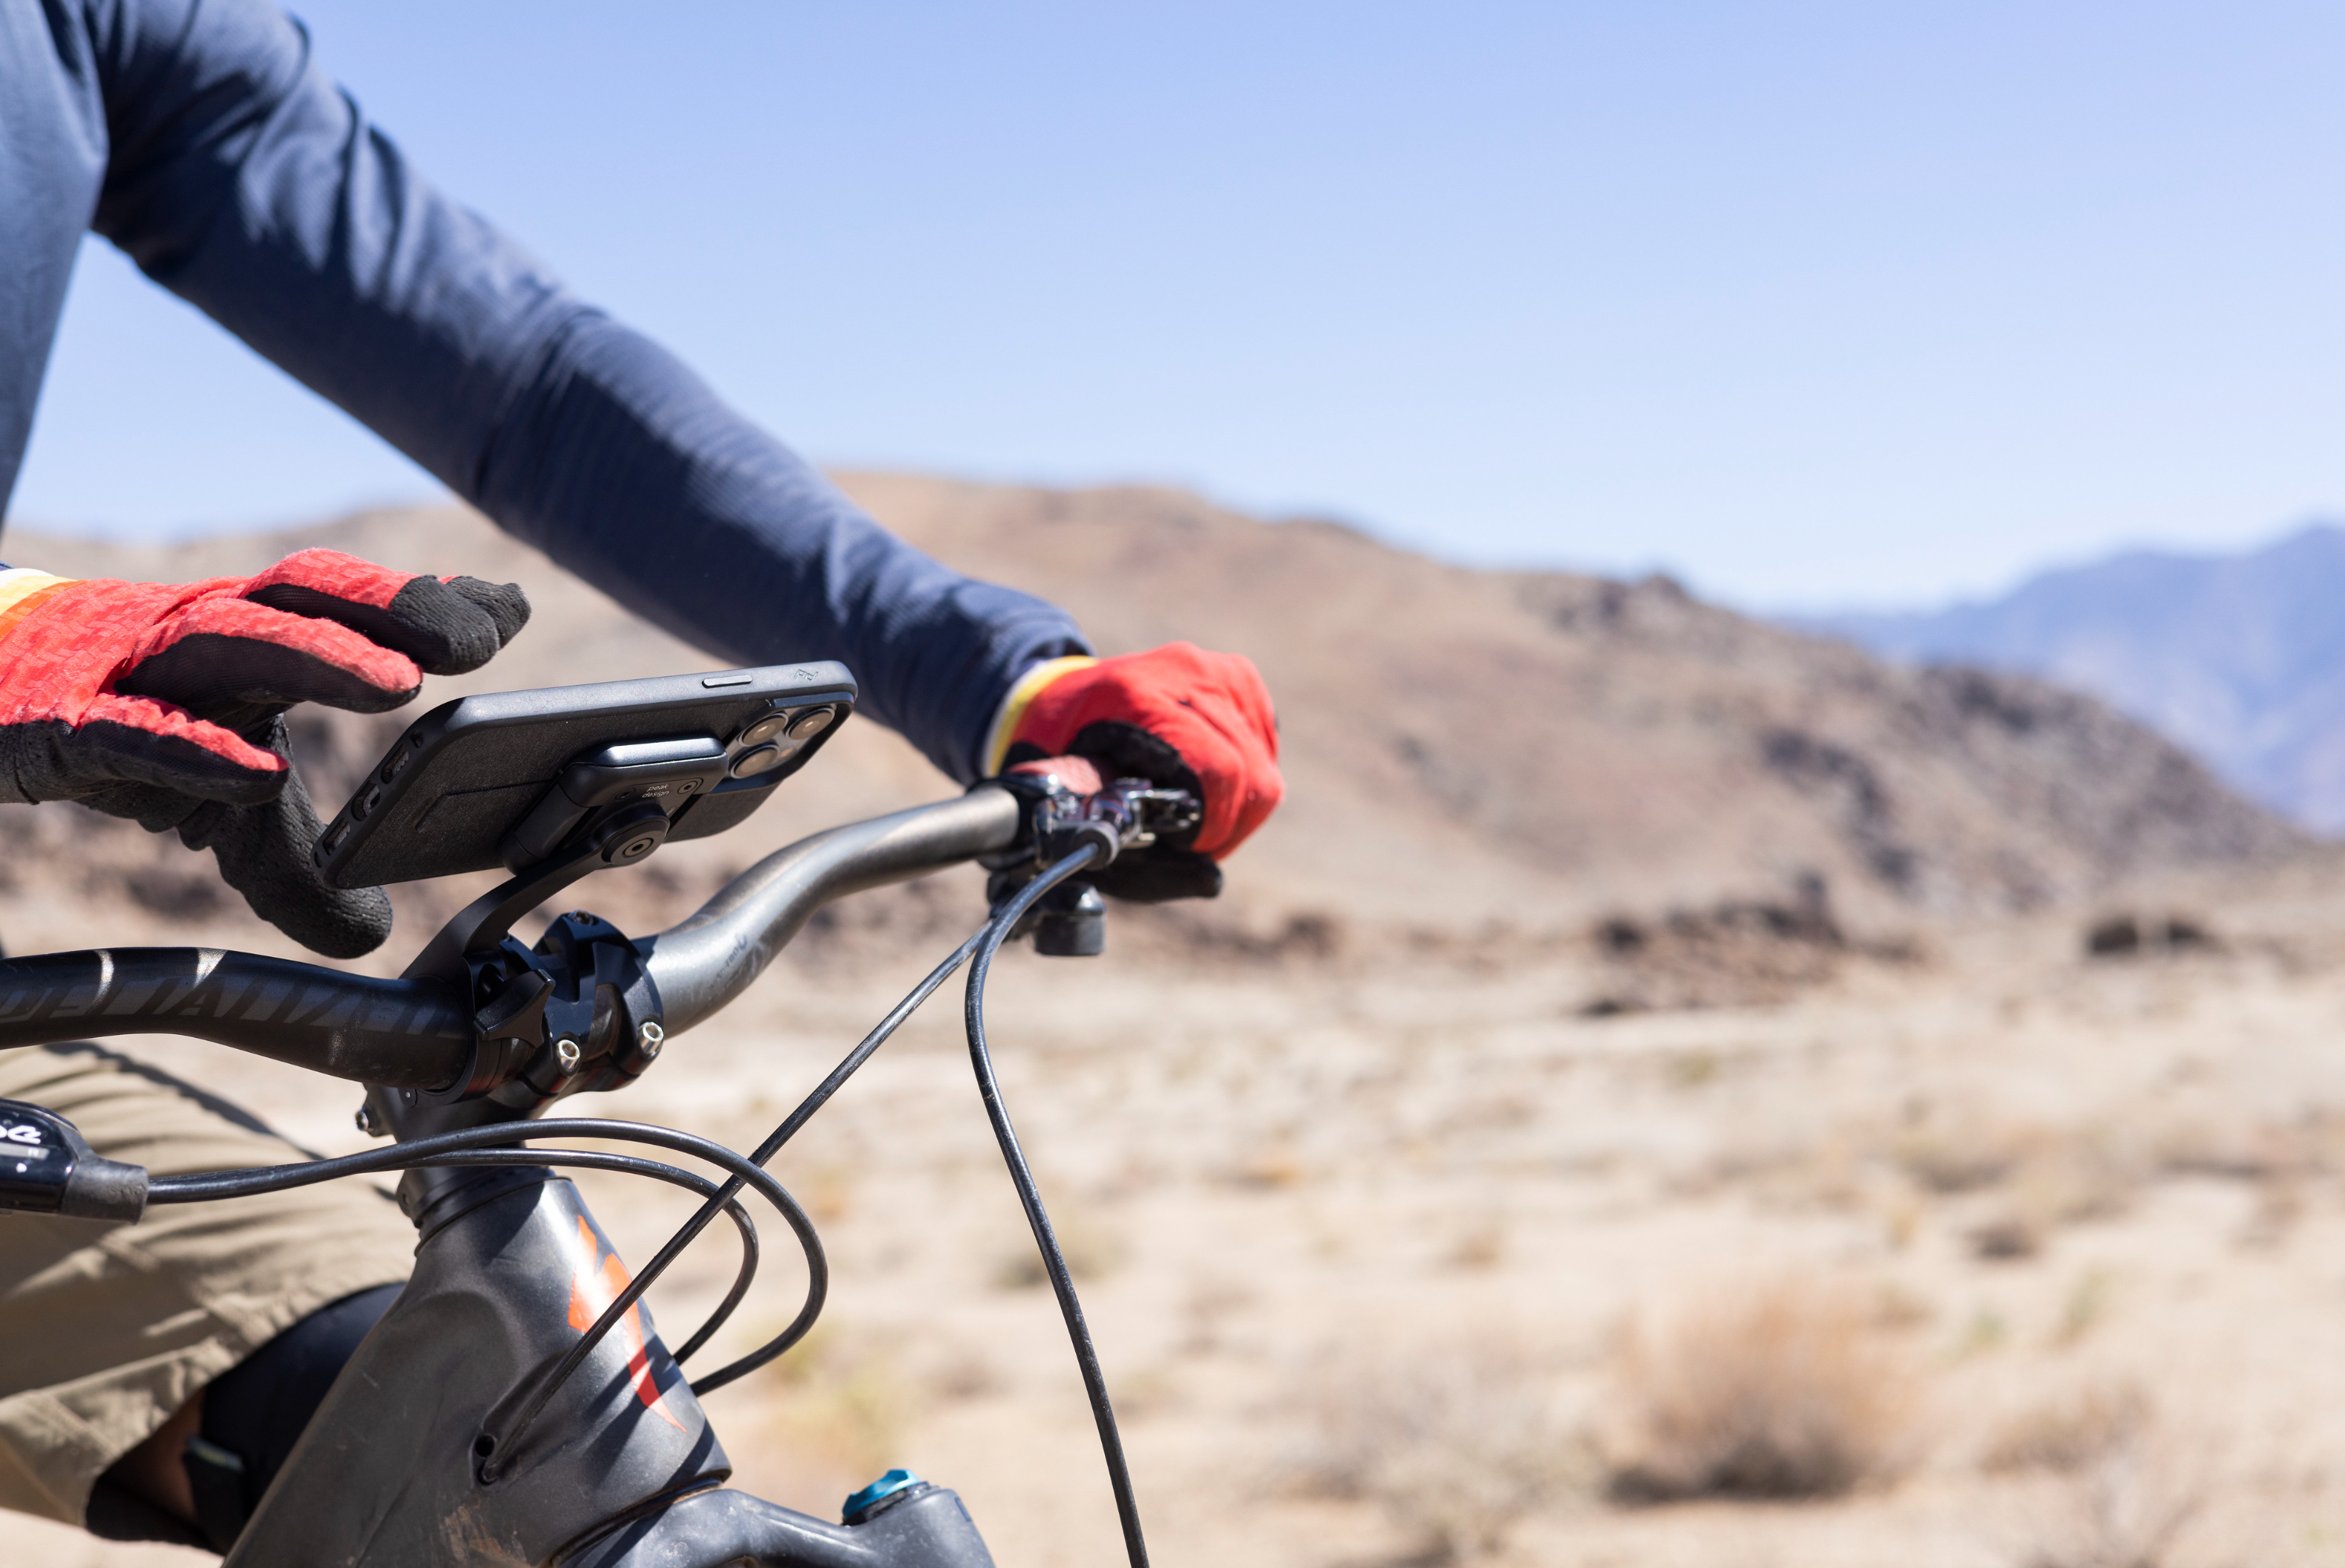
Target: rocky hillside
[2239, 657]
[1472, 756]
[1550, 742]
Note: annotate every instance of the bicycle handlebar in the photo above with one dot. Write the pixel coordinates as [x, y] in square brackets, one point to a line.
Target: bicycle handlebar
[404, 1034]
[713, 957]
[418, 1033]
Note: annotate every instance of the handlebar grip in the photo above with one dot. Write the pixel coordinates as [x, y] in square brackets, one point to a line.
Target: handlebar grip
[47, 1167]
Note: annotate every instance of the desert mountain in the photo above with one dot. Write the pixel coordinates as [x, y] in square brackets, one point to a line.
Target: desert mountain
[2240, 658]
[1467, 751]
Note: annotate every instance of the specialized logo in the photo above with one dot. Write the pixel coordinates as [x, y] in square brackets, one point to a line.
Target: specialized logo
[597, 1280]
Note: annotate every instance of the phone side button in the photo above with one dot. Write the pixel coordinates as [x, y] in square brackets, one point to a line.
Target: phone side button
[727, 680]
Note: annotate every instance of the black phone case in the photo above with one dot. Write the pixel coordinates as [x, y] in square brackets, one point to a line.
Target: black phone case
[443, 798]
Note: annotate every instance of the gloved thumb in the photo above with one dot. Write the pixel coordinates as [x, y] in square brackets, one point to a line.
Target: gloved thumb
[265, 852]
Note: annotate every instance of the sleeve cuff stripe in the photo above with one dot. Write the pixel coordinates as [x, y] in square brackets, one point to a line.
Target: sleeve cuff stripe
[1013, 707]
[19, 584]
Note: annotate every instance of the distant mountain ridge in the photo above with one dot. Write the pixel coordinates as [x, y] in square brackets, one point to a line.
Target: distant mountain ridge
[2238, 658]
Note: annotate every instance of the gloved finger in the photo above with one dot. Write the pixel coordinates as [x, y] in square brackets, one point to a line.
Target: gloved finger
[1159, 875]
[265, 852]
[444, 628]
[136, 741]
[151, 807]
[1220, 762]
[1226, 730]
[1179, 714]
[505, 605]
[219, 655]
[1246, 785]
[1079, 774]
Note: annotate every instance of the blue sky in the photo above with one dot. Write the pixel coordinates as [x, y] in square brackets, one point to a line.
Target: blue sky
[1812, 303]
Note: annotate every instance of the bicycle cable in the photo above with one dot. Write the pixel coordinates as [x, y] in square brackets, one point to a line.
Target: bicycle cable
[479, 1146]
[798, 1118]
[166, 1190]
[1054, 1260]
[691, 1228]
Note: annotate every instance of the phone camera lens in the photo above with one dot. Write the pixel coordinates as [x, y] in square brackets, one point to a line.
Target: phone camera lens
[764, 730]
[811, 723]
[763, 759]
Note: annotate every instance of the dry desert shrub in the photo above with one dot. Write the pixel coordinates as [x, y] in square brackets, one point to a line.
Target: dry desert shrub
[2204, 1142]
[2127, 1508]
[2041, 1177]
[2071, 1433]
[2121, 1483]
[1790, 1389]
[1457, 1444]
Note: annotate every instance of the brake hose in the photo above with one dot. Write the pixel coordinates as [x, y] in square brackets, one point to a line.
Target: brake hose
[1054, 1260]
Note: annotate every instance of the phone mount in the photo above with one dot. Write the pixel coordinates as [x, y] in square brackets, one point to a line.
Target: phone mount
[578, 1011]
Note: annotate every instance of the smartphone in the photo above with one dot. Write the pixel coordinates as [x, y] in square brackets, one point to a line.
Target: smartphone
[508, 778]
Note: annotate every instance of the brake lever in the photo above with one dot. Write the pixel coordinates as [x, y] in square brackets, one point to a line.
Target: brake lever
[1063, 816]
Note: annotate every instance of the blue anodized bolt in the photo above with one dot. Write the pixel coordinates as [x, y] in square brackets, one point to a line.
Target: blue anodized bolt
[860, 1505]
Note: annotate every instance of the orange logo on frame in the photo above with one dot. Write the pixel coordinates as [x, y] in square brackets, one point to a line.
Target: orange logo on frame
[595, 1282]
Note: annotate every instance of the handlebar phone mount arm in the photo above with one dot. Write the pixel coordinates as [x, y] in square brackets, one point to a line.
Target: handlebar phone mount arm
[577, 1012]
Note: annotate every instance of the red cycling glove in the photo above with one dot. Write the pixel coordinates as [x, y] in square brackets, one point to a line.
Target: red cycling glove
[165, 702]
[1178, 715]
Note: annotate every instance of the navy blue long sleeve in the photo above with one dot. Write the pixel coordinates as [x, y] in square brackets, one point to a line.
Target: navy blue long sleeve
[198, 137]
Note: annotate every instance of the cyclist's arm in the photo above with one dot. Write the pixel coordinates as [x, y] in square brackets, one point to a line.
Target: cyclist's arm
[243, 180]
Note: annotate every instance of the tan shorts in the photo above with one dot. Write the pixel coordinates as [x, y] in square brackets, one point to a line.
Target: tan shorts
[105, 1330]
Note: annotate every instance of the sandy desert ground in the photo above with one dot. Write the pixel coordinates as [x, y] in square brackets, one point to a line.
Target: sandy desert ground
[2007, 1255]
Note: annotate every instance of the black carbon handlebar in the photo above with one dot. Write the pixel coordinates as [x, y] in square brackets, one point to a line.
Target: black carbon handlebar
[405, 1034]
[418, 1033]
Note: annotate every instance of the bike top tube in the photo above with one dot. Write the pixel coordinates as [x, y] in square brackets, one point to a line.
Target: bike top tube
[418, 1033]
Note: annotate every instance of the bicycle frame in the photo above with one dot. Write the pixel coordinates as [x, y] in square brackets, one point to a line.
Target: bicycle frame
[622, 1468]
